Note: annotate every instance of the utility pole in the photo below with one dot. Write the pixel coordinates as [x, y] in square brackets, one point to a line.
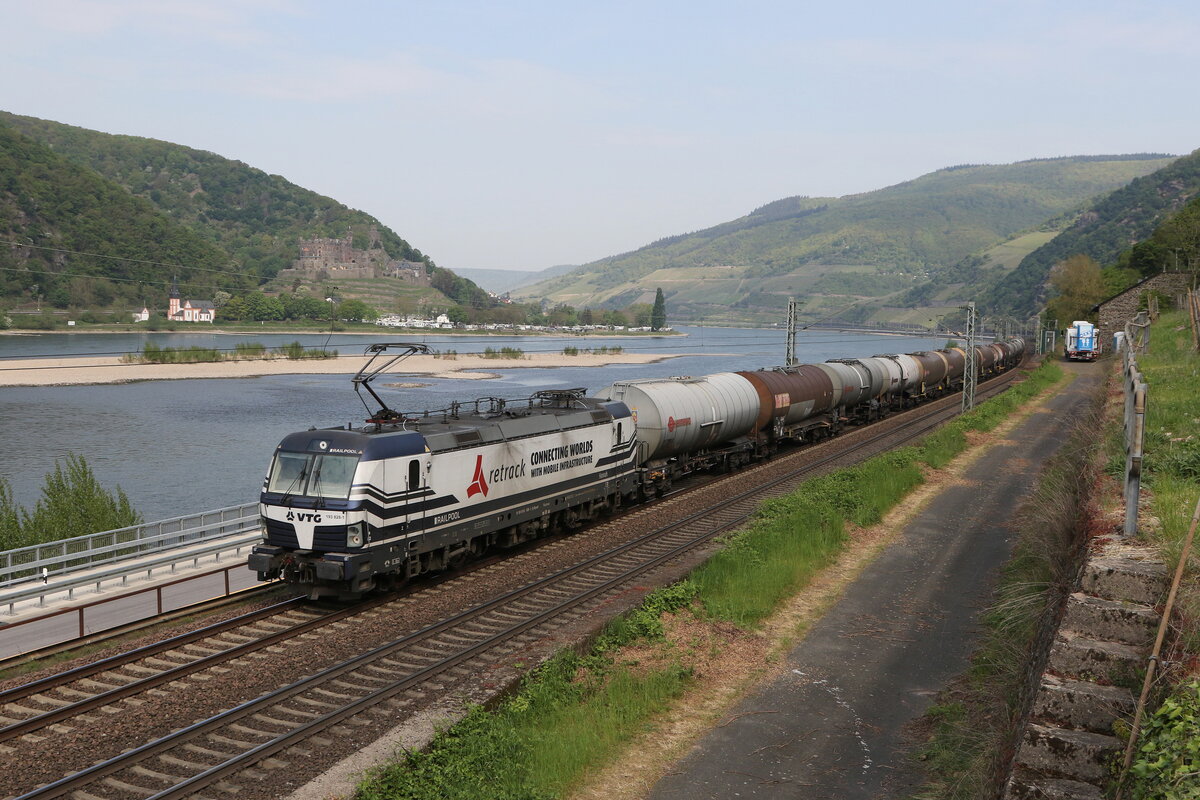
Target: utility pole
[791, 333]
[970, 369]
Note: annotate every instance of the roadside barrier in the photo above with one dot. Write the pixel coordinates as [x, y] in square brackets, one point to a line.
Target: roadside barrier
[1135, 428]
[44, 561]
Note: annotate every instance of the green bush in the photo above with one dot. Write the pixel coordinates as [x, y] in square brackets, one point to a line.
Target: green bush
[1167, 761]
[73, 503]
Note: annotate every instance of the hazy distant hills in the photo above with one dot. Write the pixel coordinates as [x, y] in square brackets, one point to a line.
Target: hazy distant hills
[506, 280]
[250, 221]
[864, 250]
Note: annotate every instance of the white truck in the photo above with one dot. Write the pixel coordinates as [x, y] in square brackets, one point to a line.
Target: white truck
[1082, 342]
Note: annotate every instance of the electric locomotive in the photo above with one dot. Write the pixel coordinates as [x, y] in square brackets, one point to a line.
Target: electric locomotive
[345, 510]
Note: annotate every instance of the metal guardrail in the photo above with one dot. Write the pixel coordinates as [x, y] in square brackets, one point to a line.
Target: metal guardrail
[1136, 390]
[62, 556]
[124, 571]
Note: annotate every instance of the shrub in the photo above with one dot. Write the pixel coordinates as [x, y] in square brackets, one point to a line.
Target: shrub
[1167, 763]
[73, 503]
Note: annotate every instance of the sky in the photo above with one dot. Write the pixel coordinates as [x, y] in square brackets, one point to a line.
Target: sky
[522, 135]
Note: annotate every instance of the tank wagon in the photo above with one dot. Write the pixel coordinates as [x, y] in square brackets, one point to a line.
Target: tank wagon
[345, 510]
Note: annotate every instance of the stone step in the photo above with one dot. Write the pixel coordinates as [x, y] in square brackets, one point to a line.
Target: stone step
[1025, 785]
[1110, 662]
[1112, 620]
[1064, 753]
[1082, 704]
[1133, 574]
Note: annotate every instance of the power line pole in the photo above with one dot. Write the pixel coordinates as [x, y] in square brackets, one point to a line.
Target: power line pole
[970, 369]
[791, 333]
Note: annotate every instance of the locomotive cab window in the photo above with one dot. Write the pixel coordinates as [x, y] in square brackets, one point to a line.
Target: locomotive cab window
[414, 473]
[312, 475]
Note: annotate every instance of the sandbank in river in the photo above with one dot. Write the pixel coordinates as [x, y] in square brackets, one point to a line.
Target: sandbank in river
[110, 369]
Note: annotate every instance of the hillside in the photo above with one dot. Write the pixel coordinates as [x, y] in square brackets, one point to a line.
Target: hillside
[1108, 227]
[55, 206]
[836, 252]
[256, 220]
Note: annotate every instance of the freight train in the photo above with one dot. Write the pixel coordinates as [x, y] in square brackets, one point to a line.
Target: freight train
[346, 510]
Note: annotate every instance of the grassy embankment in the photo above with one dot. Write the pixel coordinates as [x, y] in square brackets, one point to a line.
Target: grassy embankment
[1167, 762]
[573, 713]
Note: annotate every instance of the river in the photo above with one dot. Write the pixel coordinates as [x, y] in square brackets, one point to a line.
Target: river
[179, 447]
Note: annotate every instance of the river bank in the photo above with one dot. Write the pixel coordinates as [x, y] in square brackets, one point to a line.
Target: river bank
[112, 369]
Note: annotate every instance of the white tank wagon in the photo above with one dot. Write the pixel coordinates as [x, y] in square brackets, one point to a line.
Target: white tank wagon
[878, 380]
[912, 375]
[687, 415]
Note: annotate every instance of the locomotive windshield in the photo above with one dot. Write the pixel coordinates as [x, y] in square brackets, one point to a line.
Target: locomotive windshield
[312, 475]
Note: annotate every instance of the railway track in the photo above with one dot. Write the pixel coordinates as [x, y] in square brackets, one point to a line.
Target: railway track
[387, 679]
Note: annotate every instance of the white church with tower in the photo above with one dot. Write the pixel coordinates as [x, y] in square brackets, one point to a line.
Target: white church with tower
[188, 310]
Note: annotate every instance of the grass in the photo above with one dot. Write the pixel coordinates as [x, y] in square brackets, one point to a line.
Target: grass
[504, 352]
[575, 712]
[1171, 473]
[571, 712]
[153, 354]
[1172, 452]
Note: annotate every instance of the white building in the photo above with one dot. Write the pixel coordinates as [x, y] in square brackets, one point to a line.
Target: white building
[189, 310]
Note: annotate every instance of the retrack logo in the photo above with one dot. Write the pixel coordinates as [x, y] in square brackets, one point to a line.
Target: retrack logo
[478, 483]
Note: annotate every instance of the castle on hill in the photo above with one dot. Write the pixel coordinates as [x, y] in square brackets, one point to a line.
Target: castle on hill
[329, 259]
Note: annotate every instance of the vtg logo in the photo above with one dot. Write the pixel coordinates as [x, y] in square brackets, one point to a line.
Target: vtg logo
[296, 516]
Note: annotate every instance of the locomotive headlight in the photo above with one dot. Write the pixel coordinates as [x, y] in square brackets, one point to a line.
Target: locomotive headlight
[355, 534]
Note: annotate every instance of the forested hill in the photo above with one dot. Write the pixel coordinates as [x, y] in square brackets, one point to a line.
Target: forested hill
[254, 218]
[1107, 228]
[50, 205]
[877, 243]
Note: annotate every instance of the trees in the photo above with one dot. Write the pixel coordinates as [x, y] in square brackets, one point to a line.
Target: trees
[615, 318]
[1079, 286]
[640, 313]
[658, 314]
[73, 503]
[356, 311]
